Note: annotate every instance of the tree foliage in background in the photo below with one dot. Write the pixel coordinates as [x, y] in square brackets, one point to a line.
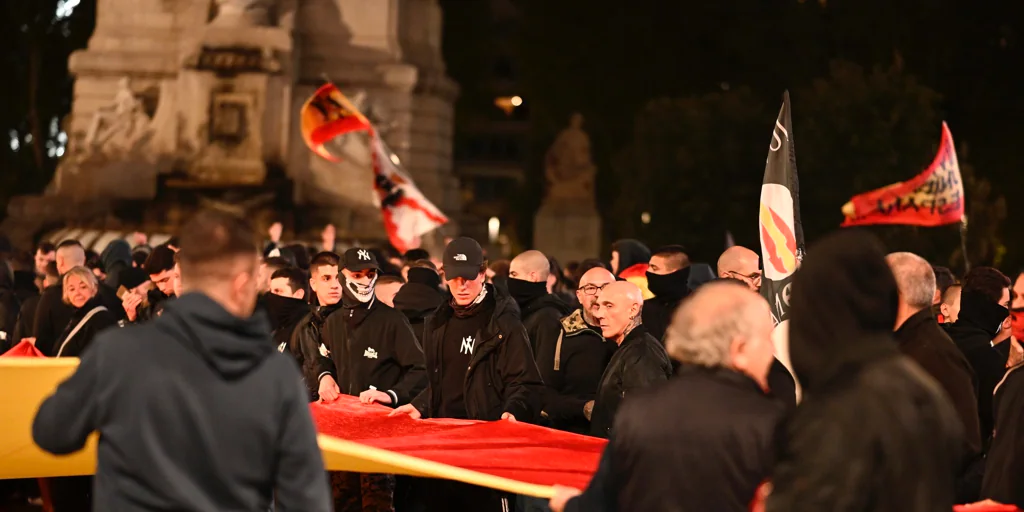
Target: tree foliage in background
[38, 36]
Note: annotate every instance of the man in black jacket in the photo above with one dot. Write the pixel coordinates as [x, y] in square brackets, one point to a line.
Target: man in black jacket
[981, 330]
[196, 410]
[922, 339]
[541, 311]
[479, 366]
[307, 344]
[668, 276]
[420, 296]
[573, 370]
[372, 353]
[639, 363]
[902, 442]
[715, 416]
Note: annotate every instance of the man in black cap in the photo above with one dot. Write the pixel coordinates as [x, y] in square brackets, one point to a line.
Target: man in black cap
[479, 366]
[370, 351]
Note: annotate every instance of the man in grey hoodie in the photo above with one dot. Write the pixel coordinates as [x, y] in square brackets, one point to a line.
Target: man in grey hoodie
[196, 410]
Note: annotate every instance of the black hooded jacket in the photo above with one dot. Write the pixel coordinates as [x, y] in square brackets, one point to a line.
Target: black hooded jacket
[196, 411]
[873, 431]
[10, 307]
[306, 345]
[502, 375]
[631, 252]
[669, 290]
[1004, 463]
[117, 259]
[418, 298]
[977, 325]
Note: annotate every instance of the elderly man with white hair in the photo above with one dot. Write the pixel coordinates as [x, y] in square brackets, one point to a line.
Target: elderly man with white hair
[922, 339]
[704, 440]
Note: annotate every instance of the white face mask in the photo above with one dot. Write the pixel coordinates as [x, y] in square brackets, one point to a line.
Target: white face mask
[362, 292]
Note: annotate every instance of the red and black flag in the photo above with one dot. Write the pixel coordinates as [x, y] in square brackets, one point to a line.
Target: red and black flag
[932, 198]
[782, 236]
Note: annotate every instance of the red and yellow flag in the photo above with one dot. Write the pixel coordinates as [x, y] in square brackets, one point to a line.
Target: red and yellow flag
[326, 115]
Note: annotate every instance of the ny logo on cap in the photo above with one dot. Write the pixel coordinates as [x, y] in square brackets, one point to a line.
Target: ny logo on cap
[460, 257]
[363, 254]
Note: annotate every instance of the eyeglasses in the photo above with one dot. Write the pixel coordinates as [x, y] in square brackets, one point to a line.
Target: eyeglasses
[591, 289]
[753, 277]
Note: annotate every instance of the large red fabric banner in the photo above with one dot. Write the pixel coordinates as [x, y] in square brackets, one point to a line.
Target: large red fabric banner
[517, 451]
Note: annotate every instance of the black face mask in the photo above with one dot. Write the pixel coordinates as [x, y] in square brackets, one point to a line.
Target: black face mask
[524, 291]
[669, 286]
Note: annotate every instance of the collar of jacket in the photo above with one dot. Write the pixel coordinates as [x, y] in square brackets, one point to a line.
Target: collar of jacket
[913, 323]
[503, 305]
[637, 333]
[721, 374]
[575, 324]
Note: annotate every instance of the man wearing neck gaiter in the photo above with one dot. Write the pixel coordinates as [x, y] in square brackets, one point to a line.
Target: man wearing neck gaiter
[479, 366]
[528, 285]
[373, 354]
[640, 361]
[668, 274]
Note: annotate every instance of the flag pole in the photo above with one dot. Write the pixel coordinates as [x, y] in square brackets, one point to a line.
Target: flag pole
[963, 243]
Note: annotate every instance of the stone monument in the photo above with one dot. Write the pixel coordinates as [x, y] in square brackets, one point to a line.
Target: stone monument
[567, 226]
[182, 102]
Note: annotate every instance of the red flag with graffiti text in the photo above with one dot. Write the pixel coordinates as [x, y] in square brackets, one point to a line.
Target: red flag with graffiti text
[781, 233]
[933, 198]
[328, 114]
[408, 214]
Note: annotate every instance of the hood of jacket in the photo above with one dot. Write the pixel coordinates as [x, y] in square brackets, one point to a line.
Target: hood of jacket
[631, 252]
[979, 313]
[117, 251]
[417, 300]
[230, 345]
[504, 304]
[548, 300]
[285, 311]
[843, 308]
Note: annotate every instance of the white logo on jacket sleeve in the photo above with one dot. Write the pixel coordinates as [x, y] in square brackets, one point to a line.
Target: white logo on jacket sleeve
[370, 353]
[363, 254]
[467, 345]
[460, 257]
[280, 348]
[323, 350]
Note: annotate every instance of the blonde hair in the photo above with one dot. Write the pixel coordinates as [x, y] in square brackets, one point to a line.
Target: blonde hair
[85, 275]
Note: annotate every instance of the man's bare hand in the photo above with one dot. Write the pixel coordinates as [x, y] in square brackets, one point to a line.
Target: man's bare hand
[408, 409]
[508, 416]
[588, 409]
[372, 395]
[329, 390]
[130, 302]
[562, 496]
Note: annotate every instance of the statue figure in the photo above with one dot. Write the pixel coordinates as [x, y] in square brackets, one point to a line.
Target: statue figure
[568, 166]
[244, 13]
[119, 127]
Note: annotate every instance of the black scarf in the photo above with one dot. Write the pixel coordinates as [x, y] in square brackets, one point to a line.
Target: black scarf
[482, 302]
[525, 292]
[669, 287]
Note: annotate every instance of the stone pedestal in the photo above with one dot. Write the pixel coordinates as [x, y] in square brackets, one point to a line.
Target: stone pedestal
[569, 232]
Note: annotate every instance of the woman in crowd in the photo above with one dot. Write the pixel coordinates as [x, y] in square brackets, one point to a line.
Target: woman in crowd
[90, 317]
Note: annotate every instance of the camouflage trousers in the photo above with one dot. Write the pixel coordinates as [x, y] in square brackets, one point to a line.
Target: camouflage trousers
[356, 492]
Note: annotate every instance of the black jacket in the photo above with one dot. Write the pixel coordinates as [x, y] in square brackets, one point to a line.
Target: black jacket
[572, 372]
[502, 375]
[79, 335]
[1004, 463]
[639, 363]
[417, 300]
[196, 411]
[702, 442]
[542, 319]
[52, 314]
[669, 290]
[285, 313]
[922, 339]
[117, 259]
[380, 351]
[873, 431]
[976, 326]
[10, 306]
[26, 317]
[306, 345]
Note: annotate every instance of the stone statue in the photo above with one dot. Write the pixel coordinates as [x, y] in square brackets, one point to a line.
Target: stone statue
[243, 13]
[117, 128]
[567, 165]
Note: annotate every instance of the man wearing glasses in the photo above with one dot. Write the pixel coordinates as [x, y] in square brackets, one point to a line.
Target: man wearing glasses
[741, 264]
[573, 370]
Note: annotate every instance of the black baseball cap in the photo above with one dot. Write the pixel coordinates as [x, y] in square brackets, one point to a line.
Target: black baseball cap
[357, 259]
[462, 258]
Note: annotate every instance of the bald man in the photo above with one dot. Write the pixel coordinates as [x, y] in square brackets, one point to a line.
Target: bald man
[742, 264]
[640, 361]
[573, 367]
[714, 416]
[540, 311]
[922, 339]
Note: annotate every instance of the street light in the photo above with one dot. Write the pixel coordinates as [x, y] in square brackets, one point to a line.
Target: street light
[493, 226]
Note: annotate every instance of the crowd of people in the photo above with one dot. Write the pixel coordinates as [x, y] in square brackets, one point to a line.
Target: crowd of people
[893, 386]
